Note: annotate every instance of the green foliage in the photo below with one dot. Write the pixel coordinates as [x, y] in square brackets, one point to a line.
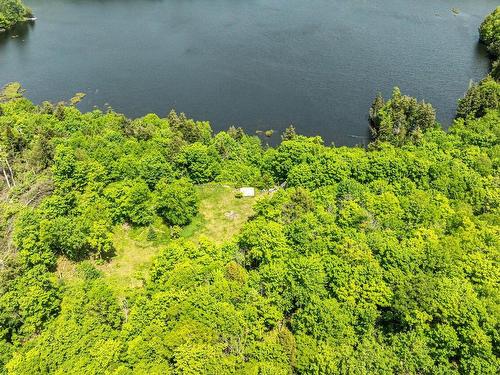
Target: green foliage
[482, 132]
[376, 260]
[131, 200]
[191, 131]
[363, 261]
[82, 339]
[88, 272]
[176, 202]
[401, 118]
[152, 236]
[479, 99]
[29, 299]
[153, 166]
[289, 133]
[11, 91]
[199, 162]
[489, 33]
[12, 12]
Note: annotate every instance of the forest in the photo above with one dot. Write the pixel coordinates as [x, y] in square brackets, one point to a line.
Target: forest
[12, 12]
[350, 260]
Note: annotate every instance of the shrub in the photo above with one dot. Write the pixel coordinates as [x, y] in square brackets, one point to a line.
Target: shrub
[177, 202]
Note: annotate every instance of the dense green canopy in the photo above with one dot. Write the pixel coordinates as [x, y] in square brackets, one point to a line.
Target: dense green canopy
[362, 260]
[12, 12]
[490, 35]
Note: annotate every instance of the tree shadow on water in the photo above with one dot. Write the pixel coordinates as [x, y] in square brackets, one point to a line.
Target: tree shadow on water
[19, 34]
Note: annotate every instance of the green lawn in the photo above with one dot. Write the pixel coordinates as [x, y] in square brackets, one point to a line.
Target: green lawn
[134, 255]
[221, 216]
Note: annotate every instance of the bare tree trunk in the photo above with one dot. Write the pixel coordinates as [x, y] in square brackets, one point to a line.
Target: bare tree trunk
[11, 173]
[6, 178]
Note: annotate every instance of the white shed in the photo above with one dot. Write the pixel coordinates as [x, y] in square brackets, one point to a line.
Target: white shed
[247, 191]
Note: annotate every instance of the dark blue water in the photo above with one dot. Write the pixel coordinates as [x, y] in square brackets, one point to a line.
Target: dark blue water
[257, 64]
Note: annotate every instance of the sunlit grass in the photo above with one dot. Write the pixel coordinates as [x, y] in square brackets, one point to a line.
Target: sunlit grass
[221, 216]
[134, 255]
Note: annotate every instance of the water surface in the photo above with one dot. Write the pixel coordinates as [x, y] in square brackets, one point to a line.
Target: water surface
[258, 64]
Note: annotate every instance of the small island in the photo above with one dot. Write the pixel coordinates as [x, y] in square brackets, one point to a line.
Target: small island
[13, 12]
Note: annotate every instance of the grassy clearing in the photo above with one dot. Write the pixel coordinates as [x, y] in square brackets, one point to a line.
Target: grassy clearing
[221, 217]
[221, 214]
[134, 255]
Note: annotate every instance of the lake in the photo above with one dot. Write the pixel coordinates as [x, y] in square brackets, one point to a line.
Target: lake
[260, 64]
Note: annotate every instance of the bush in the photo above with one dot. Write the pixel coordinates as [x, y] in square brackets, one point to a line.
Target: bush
[175, 231]
[88, 271]
[199, 162]
[130, 201]
[177, 202]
